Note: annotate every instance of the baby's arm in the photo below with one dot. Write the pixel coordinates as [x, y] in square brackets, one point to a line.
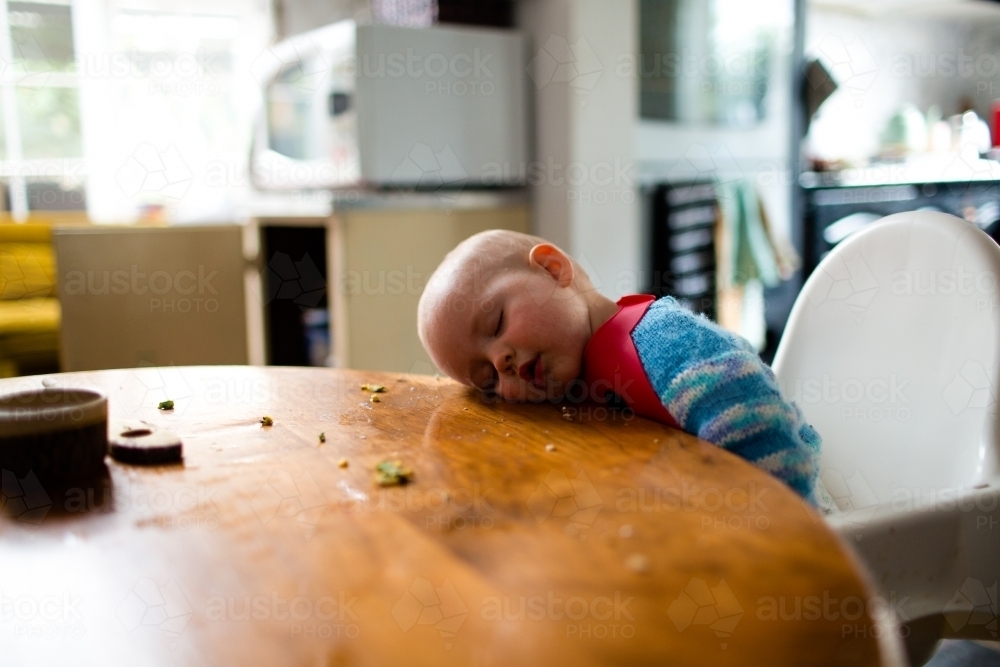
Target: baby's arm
[717, 388]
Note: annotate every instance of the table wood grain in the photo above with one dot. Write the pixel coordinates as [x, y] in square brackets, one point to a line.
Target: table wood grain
[529, 535]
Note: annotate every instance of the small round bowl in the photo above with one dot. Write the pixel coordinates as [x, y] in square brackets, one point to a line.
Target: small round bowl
[58, 434]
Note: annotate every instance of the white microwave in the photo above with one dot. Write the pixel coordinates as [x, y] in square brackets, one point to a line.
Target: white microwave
[353, 105]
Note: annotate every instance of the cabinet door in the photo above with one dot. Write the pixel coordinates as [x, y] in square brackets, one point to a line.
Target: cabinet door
[381, 260]
[151, 296]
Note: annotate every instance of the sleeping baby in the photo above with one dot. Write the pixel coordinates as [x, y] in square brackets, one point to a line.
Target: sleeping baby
[514, 315]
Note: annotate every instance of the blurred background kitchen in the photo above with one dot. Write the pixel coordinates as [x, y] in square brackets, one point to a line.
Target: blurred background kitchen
[272, 182]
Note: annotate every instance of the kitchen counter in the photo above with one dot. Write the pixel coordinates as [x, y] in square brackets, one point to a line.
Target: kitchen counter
[930, 169]
[296, 206]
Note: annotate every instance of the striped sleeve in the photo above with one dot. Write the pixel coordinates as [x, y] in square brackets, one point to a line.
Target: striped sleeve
[718, 389]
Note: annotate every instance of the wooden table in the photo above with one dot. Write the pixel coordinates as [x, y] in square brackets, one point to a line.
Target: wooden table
[622, 543]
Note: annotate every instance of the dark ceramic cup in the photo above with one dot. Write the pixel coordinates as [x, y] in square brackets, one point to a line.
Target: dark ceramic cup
[60, 435]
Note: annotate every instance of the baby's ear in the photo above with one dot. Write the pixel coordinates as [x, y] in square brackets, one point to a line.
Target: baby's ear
[554, 261]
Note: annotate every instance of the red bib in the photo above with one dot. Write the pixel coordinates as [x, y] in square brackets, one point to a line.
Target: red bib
[611, 362]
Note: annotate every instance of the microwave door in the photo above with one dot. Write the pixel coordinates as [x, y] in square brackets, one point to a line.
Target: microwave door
[305, 136]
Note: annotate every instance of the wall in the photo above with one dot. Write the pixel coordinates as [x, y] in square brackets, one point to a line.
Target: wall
[583, 184]
[675, 151]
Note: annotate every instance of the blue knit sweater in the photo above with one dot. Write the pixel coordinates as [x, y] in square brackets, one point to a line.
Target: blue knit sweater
[717, 388]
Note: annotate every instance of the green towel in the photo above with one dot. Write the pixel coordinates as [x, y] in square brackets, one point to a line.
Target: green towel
[752, 257]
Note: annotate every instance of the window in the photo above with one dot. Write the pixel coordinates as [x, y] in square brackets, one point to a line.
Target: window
[39, 104]
[711, 61]
[147, 106]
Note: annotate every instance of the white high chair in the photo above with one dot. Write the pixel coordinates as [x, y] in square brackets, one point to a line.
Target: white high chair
[891, 351]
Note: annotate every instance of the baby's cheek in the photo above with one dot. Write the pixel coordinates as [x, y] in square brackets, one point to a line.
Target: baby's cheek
[569, 370]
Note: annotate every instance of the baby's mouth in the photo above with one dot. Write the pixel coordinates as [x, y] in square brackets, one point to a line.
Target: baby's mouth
[533, 371]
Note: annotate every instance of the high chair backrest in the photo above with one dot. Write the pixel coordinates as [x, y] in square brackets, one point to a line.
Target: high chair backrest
[891, 351]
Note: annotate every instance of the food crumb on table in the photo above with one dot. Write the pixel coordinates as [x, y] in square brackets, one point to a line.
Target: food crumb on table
[373, 388]
[391, 473]
[550, 447]
[637, 563]
[266, 421]
[342, 463]
[375, 398]
[165, 405]
[322, 437]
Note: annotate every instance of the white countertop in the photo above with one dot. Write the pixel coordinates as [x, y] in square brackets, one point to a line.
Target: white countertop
[323, 203]
[924, 169]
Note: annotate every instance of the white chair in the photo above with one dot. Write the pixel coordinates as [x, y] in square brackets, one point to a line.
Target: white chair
[891, 351]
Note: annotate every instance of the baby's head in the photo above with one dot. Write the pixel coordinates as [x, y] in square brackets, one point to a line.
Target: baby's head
[509, 313]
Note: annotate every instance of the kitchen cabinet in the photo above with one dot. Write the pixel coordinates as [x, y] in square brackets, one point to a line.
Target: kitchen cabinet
[366, 262]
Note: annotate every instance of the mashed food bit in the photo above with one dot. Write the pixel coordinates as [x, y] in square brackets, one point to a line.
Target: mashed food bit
[373, 388]
[266, 421]
[391, 473]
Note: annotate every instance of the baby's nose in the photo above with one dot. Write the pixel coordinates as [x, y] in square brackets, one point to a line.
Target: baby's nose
[504, 363]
